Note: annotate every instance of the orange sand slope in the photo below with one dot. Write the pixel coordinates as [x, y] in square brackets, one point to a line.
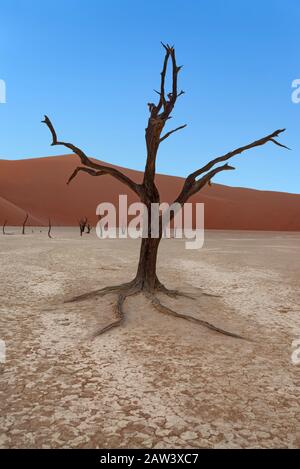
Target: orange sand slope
[38, 186]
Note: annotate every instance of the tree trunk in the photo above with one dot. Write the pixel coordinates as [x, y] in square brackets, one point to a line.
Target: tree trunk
[146, 272]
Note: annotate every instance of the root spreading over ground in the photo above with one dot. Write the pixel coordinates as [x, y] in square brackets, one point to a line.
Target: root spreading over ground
[134, 288]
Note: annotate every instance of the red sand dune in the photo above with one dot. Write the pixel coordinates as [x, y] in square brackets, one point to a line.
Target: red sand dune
[38, 187]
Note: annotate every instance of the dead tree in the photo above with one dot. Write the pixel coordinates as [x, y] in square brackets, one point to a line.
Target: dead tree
[3, 227]
[24, 223]
[49, 229]
[82, 225]
[146, 279]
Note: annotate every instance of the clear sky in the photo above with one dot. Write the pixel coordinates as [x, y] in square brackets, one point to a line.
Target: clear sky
[91, 65]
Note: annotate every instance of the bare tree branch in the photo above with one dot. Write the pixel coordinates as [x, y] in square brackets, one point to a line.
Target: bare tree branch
[175, 71]
[166, 104]
[91, 164]
[200, 183]
[171, 132]
[169, 105]
[256, 143]
[279, 144]
[181, 93]
[162, 99]
[92, 172]
[191, 185]
[159, 114]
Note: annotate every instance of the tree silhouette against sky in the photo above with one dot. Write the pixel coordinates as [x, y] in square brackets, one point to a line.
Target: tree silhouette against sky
[146, 280]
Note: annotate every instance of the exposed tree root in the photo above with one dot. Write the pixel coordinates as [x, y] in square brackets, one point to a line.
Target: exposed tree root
[120, 316]
[172, 293]
[102, 292]
[166, 310]
[176, 293]
[208, 294]
[126, 287]
[134, 287]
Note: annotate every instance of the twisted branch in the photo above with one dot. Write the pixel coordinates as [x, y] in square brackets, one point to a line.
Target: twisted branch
[162, 100]
[171, 132]
[166, 104]
[166, 310]
[192, 185]
[86, 161]
[92, 172]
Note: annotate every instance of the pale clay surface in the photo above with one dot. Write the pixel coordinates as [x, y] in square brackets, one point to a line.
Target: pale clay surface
[156, 381]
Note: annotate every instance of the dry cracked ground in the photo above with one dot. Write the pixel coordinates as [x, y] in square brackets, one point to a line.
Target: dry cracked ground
[156, 381]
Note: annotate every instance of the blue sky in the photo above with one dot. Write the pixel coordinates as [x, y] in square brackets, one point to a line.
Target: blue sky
[92, 66]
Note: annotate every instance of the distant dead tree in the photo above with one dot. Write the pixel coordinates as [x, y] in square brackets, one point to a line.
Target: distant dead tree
[24, 224]
[3, 227]
[146, 279]
[82, 225]
[49, 229]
